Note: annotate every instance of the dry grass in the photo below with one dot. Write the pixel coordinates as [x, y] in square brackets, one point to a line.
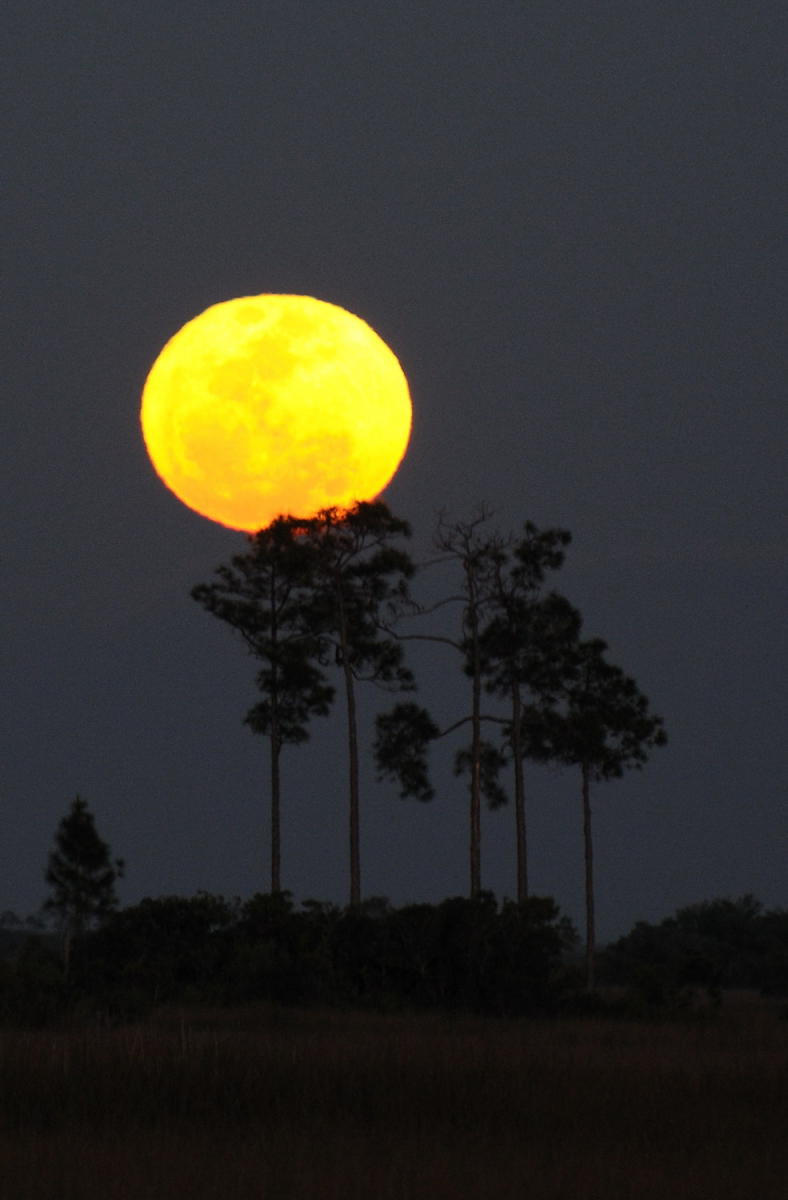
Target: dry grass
[255, 1104]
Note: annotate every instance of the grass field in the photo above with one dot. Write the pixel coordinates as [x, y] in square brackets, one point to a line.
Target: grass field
[336, 1106]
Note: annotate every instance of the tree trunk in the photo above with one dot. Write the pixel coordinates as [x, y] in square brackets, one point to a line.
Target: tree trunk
[276, 744]
[476, 807]
[352, 743]
[276, 747]
[519, 798]
[589, 859]
[352, 739]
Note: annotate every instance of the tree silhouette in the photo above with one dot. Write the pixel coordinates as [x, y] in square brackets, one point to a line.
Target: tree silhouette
[404, 734]
[523, 651]
[359, 583]
[266, 595]
[478, 557]
[603, 725]
[81, 874]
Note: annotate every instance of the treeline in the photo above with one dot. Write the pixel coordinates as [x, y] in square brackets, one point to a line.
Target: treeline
[707, 947]
[330, 598]
[462, 955]
[458, 956]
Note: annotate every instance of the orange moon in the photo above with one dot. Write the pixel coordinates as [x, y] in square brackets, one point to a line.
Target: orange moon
[275, 405]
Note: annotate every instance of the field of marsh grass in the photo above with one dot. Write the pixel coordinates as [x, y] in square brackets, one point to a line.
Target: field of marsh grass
[280, 1104]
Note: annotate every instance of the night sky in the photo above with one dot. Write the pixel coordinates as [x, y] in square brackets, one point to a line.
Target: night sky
[567, 219]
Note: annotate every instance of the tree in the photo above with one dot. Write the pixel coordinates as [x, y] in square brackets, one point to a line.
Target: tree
[82, 875]
[479, 557]
[603, 725]
[722, 943]
[359, 582]
[265, 595]
[404, 734]
[523, 651]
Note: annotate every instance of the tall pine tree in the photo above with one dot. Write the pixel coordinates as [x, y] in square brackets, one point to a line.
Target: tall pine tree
[404, 733]
[523, 650]
[265, 595]
[602, 725]
[360, 581]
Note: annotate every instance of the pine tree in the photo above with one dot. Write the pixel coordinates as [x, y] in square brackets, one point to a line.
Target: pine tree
[523, 651]
[81, 874]
[478, 555]
[265, 595]
[404, 733]
[360, 581]
[602, 725]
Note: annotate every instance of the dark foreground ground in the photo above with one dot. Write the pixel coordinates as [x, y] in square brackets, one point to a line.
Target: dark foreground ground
[284, 1105]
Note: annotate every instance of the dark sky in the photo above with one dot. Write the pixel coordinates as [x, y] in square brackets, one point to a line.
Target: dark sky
[567, 219]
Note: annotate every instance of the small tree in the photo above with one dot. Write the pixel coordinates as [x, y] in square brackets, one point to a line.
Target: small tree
[81, 874]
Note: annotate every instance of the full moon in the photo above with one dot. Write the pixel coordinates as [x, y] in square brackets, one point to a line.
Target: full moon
[272, 405]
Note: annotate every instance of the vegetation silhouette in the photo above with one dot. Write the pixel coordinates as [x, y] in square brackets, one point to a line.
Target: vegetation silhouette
[81, 875]
[525, 651]
[403, 736]
[567, 703]
[706, 948]
[361, 574]
[309, 594]
[602, 724]
[460, 956]
[266, 596]
[330, 593]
